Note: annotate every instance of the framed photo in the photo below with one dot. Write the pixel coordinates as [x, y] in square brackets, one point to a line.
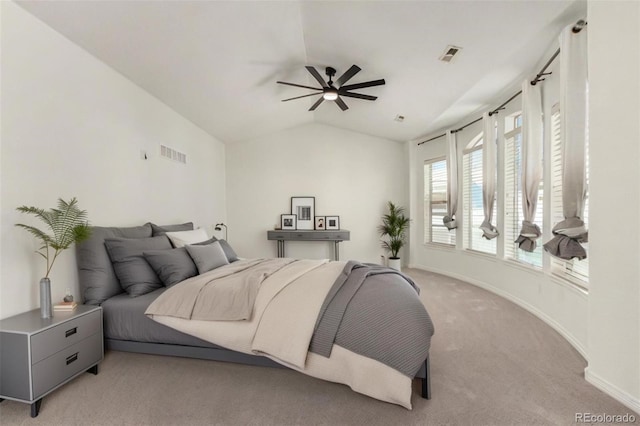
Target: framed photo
[288, 221]
[304, 208]
[332, 222]
[320, 223]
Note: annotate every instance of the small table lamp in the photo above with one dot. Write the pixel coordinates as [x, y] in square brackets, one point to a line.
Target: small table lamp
[219, 228]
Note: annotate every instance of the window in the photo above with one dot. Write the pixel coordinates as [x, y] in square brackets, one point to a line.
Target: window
[574, 270]
[435, 203]
[513, 195]
[472, 204]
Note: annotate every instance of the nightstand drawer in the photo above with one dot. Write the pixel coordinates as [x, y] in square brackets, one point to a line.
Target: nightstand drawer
[63, 335]
[54, 370]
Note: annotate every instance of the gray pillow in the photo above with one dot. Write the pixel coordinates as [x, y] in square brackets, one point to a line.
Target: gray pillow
[161, 230]
[134, 273]
[207, 257]
[207, 242]
[228, 251]
[98, 280]
[171, 266]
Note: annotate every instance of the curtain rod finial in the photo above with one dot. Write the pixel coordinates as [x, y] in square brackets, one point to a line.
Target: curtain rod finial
[579, 26]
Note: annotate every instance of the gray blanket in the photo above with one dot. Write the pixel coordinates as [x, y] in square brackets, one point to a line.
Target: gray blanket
[375, 312]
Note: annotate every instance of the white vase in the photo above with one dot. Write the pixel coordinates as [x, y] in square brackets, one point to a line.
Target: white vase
[46, 310]
[394, 263]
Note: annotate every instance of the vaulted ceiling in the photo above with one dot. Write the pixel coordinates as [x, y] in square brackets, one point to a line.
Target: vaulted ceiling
[217, 62]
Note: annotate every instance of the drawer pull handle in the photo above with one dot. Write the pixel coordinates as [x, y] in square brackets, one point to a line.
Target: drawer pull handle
[71, 332]
[72, 358]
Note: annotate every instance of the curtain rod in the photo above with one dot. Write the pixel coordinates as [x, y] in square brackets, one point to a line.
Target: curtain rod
[539, 77]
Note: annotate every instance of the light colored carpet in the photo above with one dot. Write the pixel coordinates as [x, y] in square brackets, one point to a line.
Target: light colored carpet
[492, 363]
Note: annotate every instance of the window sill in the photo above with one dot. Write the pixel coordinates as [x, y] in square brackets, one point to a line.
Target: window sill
[439, 246]
[527, 267]
[481, 254]
[574, 285]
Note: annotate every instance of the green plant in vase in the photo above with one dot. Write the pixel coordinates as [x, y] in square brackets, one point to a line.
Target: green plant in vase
[394, 226]
[67, 224]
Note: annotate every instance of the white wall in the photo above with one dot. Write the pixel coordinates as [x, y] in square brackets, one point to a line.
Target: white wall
[614, 127]
[71, 126]
[350, 174]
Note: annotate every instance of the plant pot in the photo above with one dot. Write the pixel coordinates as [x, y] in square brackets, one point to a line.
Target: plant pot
[394, 263]
[46, 310]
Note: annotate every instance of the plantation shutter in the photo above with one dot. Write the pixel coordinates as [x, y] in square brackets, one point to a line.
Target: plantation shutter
[438, 232]
[512, 193]
[449, 219]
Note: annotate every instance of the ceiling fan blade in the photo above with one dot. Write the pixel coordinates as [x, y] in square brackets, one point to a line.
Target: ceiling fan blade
[298, 97]
[298, 85]
[317, 76]
[318, 102]
[357, 95]
[363, 85]
[341, 104]
[347, 75]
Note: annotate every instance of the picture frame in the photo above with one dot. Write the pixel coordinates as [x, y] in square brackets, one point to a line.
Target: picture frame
[332, 222]
[304, 208]
[288, 222]
[320, 223]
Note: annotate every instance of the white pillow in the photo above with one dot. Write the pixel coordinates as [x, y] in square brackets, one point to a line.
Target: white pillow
[182, 238]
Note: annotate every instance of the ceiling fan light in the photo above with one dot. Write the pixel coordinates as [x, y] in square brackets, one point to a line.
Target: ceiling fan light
[330, 95]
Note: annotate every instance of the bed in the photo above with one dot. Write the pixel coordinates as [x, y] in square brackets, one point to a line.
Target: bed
[161, 289]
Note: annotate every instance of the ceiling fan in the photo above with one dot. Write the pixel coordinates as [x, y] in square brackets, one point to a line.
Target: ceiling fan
[332, 93]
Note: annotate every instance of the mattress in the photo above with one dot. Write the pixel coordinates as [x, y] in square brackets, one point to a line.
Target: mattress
[124, 319]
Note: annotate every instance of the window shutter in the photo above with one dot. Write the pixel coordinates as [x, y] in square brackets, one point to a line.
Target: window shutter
[435, 195]
[473, 211]
[513, 197]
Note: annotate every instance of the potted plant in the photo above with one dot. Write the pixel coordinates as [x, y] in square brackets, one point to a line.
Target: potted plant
[68, 224]
[394, 226]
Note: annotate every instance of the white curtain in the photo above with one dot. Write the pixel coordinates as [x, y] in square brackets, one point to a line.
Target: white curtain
[452, 181]
[488, 175]
[531, 163]
[569, 233]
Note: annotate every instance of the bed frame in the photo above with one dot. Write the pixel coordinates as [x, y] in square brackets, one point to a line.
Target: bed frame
[98, 283]
[226, 355]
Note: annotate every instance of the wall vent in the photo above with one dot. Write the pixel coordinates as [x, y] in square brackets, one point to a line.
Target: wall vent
[172, 154]
[449, 53]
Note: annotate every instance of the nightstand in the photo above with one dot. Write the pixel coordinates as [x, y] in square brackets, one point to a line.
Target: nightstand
[39, 355]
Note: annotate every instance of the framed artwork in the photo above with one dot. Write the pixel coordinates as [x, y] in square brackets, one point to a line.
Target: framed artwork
[320, 223]
[304, 208]
[332, 222]
[288, 221]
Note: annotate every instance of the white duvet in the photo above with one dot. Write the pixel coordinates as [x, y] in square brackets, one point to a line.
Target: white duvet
[281, 326]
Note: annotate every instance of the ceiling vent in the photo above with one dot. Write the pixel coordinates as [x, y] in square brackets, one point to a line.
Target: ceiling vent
[449, 53]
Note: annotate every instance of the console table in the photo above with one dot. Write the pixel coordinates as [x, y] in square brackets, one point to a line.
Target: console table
[303, 235]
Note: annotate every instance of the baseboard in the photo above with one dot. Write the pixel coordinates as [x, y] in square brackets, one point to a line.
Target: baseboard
[535, 311]
[613, 391]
